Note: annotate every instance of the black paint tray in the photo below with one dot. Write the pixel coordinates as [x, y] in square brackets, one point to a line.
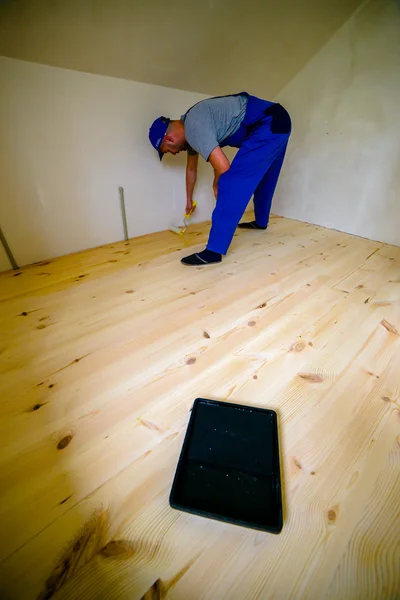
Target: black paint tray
[229, 466]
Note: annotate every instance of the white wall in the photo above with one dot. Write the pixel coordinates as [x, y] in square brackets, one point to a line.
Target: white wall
[343, 164]
[5, 264]
[67, 141]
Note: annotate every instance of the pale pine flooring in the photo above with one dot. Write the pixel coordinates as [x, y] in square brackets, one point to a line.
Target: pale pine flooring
[101, 356]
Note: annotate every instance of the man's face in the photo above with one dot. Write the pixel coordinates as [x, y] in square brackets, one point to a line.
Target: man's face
[173, 146]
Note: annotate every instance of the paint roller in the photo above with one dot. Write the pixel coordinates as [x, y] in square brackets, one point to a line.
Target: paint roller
[182, 228]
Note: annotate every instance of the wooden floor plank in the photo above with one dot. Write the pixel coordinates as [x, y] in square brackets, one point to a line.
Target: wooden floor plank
[101, 356]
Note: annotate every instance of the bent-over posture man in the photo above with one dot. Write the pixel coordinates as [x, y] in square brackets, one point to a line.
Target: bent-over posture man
[260, 129]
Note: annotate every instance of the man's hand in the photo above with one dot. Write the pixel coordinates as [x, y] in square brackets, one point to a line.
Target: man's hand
[221, 164]
[215, 187]
[189, 207]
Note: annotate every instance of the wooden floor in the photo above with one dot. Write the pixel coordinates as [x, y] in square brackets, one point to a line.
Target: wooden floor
[101, 356]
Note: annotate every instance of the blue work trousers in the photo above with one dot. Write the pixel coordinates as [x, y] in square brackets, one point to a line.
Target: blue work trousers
[254, 170]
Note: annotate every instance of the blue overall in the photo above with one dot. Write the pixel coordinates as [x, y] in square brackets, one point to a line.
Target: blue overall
[254, 170]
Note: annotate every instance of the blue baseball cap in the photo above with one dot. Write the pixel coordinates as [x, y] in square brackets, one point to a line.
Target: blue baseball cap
[157, 133]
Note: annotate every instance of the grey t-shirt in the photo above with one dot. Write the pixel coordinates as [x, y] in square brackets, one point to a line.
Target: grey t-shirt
[211, 121]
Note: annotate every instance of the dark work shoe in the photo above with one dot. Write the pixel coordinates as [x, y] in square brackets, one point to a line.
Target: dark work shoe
[207, 257]
[251, 225]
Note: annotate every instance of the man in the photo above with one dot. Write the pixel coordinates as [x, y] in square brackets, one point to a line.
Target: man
[260, 129]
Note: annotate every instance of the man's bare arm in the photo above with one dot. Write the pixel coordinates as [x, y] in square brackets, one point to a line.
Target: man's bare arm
[220, 163]
[191, 176]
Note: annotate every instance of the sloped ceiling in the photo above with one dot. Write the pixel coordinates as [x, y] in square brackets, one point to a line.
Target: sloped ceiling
[208, 46]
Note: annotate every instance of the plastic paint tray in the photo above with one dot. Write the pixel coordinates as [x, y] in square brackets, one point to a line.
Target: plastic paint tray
[229, 466]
